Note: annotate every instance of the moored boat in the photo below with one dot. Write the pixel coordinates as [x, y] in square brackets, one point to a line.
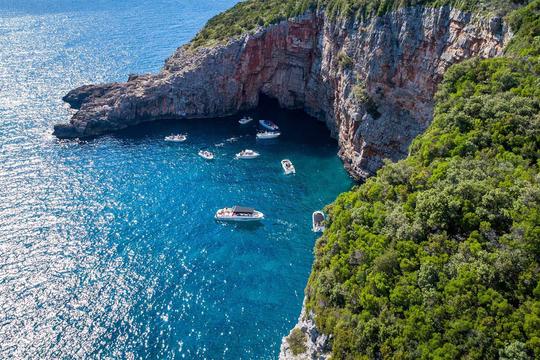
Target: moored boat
[269, 125]
[247, 154]
[268, 134]
[176, 138]
[318, 220]
[205, 154]
[239, 213]
[288, 167]
[245, 120]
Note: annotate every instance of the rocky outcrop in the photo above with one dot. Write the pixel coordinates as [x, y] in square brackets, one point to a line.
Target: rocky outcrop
[317, 345]
[372, 82]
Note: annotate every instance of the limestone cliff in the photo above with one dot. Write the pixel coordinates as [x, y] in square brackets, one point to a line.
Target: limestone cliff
[317, 345]
[371, 82]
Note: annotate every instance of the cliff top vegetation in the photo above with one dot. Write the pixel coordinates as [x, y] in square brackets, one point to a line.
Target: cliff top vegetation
[438, 255]
[246, 16]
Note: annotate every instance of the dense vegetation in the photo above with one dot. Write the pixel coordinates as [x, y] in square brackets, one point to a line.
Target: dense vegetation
[438, 255]
[247, 15]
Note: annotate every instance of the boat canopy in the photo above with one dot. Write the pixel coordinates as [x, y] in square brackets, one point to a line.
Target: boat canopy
[243, 210]
[319, 217]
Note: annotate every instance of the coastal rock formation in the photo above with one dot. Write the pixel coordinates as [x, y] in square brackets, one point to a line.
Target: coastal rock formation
[372, 82]
[317, 345]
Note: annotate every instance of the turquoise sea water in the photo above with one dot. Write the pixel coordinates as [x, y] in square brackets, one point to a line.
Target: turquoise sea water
[108, 248]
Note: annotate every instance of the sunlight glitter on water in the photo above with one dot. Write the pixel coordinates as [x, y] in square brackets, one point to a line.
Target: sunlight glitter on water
[108, 247]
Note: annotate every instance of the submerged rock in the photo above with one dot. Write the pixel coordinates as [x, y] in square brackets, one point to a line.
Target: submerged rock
[371, 82]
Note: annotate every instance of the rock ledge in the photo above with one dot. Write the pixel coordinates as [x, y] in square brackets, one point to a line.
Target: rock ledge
[371, 82]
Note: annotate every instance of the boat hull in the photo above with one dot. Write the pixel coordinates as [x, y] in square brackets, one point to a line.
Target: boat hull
[288, 170]
[233, 219]
[175, 140]
[268, 136]
[245, 121]
[206, 157]
[247, 157]
[257, 216]
[317, 227]
[268, 125]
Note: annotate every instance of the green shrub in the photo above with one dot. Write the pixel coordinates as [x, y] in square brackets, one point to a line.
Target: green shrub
[247, 15]
[438, 255]
[344, 60]
[525, 22]
[361, 94]
[297, 341]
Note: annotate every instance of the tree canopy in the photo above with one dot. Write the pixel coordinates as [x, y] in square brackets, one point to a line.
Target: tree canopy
[437, 256]
[246, 16]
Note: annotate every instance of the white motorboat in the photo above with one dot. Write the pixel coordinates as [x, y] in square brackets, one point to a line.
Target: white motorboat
[239, 213]
[288, 167]
[318, 220]
[268, 134]
[176, 138]
[245, 120]
[267, 124]
[205, 154]
[247, 154]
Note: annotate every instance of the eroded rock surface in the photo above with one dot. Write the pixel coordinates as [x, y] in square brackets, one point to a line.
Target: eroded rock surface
[317, 345]
[371, 82]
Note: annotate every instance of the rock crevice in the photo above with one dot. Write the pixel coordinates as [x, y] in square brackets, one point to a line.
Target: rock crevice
[372, 82]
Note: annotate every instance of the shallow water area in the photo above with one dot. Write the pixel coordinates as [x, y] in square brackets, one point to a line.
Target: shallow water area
[108, 246]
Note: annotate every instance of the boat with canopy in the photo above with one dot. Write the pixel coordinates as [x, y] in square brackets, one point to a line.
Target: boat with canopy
[239, 213]
[318, 221]
[176, 138]
[268, 125]
[288, 167]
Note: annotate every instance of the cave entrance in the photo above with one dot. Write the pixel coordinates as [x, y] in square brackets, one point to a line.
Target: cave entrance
[295, 125]
[298, 130]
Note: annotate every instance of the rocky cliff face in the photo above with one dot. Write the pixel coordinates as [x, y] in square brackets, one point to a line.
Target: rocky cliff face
[372, 82]
[317, 345]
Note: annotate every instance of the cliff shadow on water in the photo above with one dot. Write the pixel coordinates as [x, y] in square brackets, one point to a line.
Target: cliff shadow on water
[388, 66]
[300, 132]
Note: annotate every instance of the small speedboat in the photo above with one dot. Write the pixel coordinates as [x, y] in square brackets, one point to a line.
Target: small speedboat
[205, 154]
[268, 134]
[245, 120]
[318, 220]
[267, 124]
[238, 213]
[288, 167]
[176, 138]
[247, 154]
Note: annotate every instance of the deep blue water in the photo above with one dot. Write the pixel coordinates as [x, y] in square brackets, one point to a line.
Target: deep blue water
[108, 248]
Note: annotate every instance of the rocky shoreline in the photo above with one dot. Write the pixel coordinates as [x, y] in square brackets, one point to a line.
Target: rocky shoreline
[317, 345]
[371, 82]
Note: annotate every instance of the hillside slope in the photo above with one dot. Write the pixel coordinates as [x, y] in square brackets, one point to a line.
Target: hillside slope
[437, 256]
